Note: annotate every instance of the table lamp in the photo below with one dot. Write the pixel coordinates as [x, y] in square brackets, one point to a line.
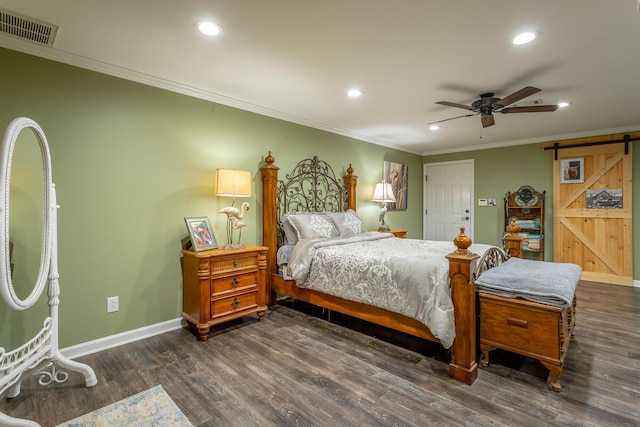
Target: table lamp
[384, 194]
[233, 183]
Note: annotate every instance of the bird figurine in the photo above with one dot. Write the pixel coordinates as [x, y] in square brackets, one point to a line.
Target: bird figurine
[383, 225]
[234, 222]
[237, 224]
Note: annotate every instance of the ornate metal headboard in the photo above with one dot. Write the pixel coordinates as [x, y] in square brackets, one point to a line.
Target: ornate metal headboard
[311, 186]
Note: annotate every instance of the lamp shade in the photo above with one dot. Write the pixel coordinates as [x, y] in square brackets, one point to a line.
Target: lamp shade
[383, 193]
[233, 183]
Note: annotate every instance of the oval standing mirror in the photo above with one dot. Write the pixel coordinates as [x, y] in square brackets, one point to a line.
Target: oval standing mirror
[43, 348]
[25, 214]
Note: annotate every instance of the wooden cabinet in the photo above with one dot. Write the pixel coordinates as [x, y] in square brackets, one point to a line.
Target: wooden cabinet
[221, 285]
[526, 207]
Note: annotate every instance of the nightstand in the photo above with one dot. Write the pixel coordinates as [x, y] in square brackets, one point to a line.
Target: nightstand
[221, 285]
[402, 234]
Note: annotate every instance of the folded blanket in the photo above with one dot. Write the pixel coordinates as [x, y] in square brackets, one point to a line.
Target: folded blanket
[551, 283]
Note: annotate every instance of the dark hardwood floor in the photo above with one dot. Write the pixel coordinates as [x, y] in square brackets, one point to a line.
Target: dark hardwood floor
[297, 369]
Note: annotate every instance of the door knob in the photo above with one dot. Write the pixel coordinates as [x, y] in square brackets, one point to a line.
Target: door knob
[465, 218]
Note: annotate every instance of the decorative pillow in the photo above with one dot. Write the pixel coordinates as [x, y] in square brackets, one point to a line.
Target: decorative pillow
[348, 223]
[313, 225]
[290, 233]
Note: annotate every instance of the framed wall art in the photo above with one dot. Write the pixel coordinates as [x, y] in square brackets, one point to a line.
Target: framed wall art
[610, 198]
[397, 175]
[200, 232]
[572, 171]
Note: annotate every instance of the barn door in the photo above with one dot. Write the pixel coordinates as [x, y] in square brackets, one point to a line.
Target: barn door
[592, 205]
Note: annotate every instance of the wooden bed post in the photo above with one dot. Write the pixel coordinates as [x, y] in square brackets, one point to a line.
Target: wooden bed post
[350, 182]
[462, 271]
[270, 219]
[513, 240]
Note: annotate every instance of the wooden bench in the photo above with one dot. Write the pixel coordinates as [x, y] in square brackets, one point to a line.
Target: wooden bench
[528, 328]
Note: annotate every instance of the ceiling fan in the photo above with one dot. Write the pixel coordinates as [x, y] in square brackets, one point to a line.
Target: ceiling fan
[489, 104]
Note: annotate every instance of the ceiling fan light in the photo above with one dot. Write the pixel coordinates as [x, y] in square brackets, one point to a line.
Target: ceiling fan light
[434, 127]
[354, 93]
[563, 104]
[524, 38]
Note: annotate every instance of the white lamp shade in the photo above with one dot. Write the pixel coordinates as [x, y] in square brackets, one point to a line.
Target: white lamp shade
[233, 183]
[383, 193]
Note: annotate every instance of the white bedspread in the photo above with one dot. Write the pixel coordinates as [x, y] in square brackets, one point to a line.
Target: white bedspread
[406, 276]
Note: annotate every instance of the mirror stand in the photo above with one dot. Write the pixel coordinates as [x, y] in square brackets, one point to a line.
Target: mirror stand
[40, 355]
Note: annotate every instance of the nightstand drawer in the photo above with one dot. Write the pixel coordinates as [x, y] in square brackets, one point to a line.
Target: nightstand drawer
[234, 304]
[520, 326]
[233, 282]
[232, 264]
[238, 262]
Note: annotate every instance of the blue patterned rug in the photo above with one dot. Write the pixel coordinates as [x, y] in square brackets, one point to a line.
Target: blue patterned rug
[151, 407]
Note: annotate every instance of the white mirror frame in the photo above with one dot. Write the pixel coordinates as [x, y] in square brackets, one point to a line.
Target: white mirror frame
[7, 291]
[41, 350]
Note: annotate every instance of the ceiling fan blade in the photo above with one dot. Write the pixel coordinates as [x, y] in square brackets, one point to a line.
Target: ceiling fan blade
[453, 118]
[487, 120]
[530, 109]
[453, 104]
[517, 96]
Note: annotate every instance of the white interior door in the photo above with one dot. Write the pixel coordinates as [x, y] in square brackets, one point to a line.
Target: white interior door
[448, 199]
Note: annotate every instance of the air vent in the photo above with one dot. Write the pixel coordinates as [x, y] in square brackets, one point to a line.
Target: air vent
[26, 28]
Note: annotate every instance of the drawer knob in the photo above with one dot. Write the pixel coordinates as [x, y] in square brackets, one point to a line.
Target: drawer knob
[235, 303]
[235, 263]
[235, 282]
[517, 322]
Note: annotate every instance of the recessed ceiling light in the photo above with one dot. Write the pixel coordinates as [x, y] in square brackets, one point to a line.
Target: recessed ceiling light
[209, 28]
[434, 127]
[524, 38]
[563, 104]
[354, 93]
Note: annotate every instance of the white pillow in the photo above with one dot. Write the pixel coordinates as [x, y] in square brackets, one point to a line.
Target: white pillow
[290, 233]
[348, 223]
[313, 225]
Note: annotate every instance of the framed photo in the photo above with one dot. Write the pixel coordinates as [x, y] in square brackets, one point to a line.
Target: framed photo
[397, 175]
[202, 237]
[572, 171]
[610, 198]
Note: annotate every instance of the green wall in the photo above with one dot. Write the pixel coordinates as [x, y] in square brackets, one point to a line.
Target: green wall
[500, 170]
[129, 163]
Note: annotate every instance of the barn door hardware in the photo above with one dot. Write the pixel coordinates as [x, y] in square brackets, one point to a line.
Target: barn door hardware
[626, 141]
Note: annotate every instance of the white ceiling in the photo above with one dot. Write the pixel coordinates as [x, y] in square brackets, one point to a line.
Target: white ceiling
[295, 60]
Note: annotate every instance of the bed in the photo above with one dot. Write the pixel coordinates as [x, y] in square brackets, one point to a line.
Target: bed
[312, 187]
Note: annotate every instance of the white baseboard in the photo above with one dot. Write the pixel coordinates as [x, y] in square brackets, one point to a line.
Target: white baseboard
[100, 344]
[636, 283]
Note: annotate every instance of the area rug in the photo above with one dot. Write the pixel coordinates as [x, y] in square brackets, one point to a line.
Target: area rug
[151, 407]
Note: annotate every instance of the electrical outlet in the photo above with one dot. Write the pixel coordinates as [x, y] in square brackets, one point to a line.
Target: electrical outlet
[112, 304]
